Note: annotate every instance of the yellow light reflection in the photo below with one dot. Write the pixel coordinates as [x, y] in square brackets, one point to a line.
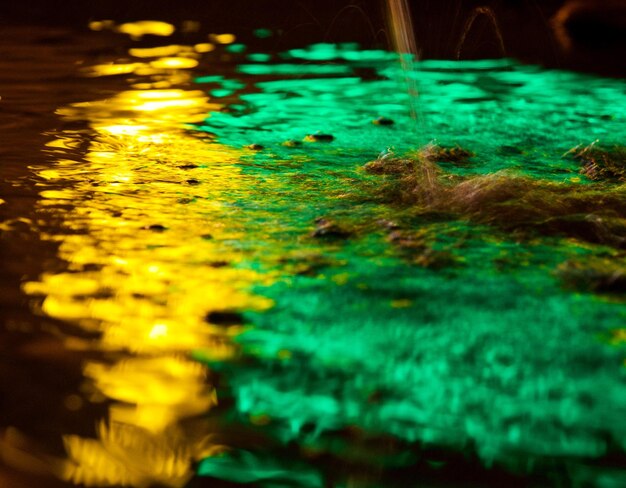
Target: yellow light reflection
[204, 47]
[158, 52]
[158, 331]
[115, 69]
[144, 195]
[174, 63]
[222, 38]
[144, 27]
[99, 25]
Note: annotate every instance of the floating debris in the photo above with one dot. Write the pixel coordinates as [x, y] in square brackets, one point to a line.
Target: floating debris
[382, 121]
[255, 147]
[156, 227]
[319, 137]
[292, 143]
[224, 317]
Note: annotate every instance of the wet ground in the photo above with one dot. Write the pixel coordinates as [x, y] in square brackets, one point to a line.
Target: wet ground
[203, 286]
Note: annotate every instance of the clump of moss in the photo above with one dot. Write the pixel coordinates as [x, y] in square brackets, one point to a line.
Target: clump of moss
[595, 274]
[601, 164]
[418, 248]
[326, 228]
[595, 213]
[415, 178]
[456, 154]
[390, 166]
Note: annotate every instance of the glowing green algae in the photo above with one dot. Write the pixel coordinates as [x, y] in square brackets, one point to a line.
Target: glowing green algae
[490, 352]
[293, 69]
[259, 57]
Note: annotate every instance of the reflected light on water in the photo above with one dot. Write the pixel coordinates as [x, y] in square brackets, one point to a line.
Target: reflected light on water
[158, 52]
[147, 232]
[223, 38]
[137, 30]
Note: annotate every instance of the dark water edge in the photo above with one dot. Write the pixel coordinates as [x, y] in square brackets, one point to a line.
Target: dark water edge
[586, 35]
[39, 67]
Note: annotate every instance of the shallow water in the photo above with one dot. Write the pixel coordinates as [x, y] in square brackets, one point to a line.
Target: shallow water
[172, 317]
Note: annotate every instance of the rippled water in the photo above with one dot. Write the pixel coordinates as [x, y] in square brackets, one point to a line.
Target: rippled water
[175, 315]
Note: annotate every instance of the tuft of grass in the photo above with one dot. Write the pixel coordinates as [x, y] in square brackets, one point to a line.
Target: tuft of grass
[594, 213]
[601, 164]
[456, 154]
[595, 274]
[418, 247]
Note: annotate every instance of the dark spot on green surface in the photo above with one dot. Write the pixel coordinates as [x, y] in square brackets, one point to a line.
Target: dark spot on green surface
[224, 317]
[328, 229]
[255, 147]
[319, 137]
[292, 143]
[382, 121]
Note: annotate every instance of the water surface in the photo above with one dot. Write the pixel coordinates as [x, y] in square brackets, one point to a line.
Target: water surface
[177, 317]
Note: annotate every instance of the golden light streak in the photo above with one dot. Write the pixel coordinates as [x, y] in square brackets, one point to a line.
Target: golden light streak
[222, 38]
[174, 63]
[158, 52]
[144, 27]
[144, 195]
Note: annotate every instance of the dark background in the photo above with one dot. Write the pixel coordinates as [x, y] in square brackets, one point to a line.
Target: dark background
[578, 34]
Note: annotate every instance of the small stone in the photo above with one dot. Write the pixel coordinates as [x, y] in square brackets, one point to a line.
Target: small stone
[382, 121]
[224, 317]
[328, 229]
[319, 137]
[292, 143]
[156, 227]
[255, 147]
[207, 237]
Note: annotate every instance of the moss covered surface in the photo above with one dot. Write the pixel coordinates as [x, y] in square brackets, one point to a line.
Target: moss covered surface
[450, 300]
